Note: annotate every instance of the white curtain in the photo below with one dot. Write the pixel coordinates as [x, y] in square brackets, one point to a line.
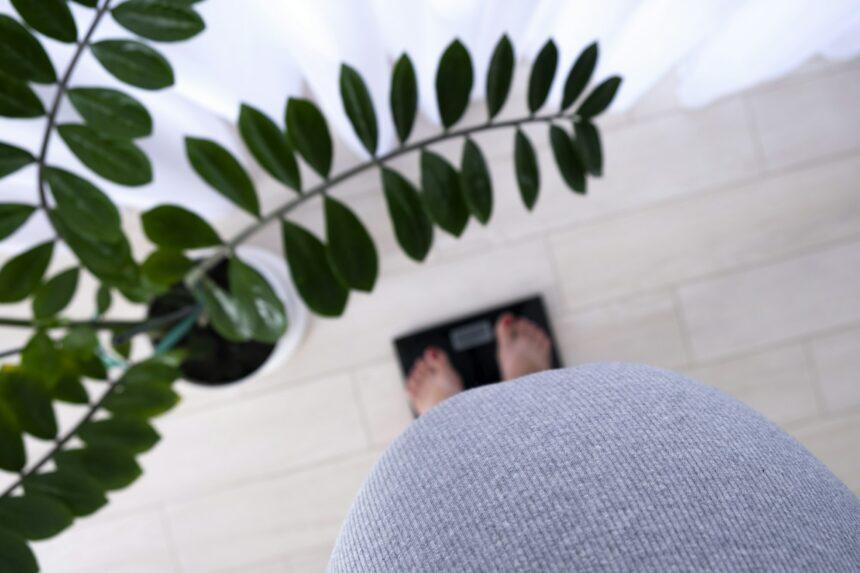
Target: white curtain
[262, 51]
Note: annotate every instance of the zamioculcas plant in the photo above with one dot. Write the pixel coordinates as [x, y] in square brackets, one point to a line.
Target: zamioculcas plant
[207, 309]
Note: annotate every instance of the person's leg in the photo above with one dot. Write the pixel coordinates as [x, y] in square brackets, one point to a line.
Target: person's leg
[607, 467]
[523, 348]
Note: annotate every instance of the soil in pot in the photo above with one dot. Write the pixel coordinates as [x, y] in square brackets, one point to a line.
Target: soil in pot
[212, 360]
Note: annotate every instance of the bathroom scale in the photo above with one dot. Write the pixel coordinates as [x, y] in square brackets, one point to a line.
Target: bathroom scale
[470, 341]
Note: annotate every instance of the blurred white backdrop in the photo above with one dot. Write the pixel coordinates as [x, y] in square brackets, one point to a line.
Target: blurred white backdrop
[262, 52]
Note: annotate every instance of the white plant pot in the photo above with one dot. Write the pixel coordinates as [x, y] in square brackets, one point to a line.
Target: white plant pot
[274, 270]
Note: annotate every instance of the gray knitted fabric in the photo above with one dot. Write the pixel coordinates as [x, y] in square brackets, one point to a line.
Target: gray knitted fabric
[606, 467]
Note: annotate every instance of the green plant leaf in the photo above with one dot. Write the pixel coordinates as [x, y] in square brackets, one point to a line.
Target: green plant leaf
[528, 173]
[154, 371]
[117, 160]
[13, 158]
[590, 149]
[83, 207]
[599, 98]
[112, 112]
[308, 131]
[269, 146]
[80, 350]
[359, 107]
[476, 182]
[104, 298]
[404, 97]
[87, 3]
[350, 249]
[230, 319]
[12, 216]
[542, 74]
[166, 266]
[443, 195]
[20, 276]
[15, 554]
[499, 76]
[21, 54]
[81, 493]
[453, 83]
[567, 159]
[412, 225]
[159, 20]
[13, 456]
[175, 227]
[131, 434]
[56, 293]
[50, 17]
[258, 300]
[30, 399]
[70, 389]
[111, 262]
[41, 359]
[141, 400]
[222, 172]
[311, 271]
[134, 63]
[17, 100]
[34, 516]
[113, 468]
[579, 75]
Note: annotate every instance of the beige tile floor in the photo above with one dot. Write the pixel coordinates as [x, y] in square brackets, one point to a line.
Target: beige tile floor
[723, 242]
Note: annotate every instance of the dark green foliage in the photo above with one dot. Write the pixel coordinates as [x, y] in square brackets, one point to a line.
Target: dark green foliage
[404, 97]
[453, 83]
[579, 75]
[20, 276]
[500, 74]
[113, 468]
[50, 17]
[311, 271]
[350, 249]
[134, 63]
[567, 159]
[230, 320]
[34, 516]
[21, 54]
[15, 555]
[159, 20]
[56, 294]
[476, 183]
[17, 100]
[104, 298]
[117, 160]
[542, 74]
[12, 216]
[13, 456]
[359, 107]
[412, 226]
[131, 434]
[143, 392]
[269, 146]
[112, 112]
[222, 172]
[30, 400]
[590, 149]
[443, 195]
[599, 98]
[257, 302]
[175, 227]
[12, 159]
[526, 165]
[308, 131]
[166, 266]
[83, 207]
[81, 493]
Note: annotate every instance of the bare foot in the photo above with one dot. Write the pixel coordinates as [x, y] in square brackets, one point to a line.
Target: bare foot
[523, 347]
[432, 380]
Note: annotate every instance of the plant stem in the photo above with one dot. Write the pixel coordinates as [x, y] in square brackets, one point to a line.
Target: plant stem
[58, 100]
[197, 273]
[96, 324]
[58, 445]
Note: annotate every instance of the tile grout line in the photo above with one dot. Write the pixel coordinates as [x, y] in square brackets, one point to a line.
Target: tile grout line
[815, 376]
[755, 133]
[681, 318]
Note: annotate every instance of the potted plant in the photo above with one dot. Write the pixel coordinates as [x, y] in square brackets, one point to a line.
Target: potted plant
[208, 302]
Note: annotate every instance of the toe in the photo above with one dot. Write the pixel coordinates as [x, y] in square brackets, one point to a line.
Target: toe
[505, 326]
